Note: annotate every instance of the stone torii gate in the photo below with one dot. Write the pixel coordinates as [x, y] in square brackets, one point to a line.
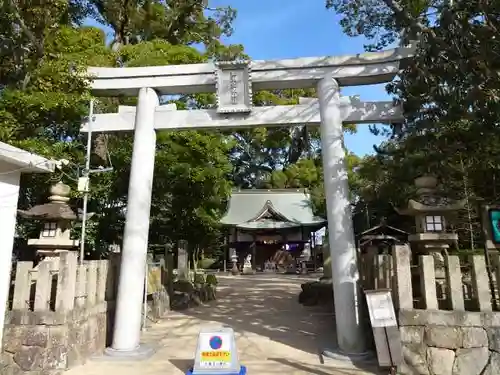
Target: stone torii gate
[234, 82]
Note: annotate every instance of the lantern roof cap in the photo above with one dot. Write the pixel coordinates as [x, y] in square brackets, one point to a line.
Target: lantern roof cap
[430, 200]
[57, 208]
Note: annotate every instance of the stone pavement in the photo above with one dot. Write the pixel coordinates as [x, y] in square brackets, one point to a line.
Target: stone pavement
[274, 333]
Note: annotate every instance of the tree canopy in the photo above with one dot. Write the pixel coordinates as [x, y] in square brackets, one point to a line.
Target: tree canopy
[45, 99]
[449, 92]
[450, 95]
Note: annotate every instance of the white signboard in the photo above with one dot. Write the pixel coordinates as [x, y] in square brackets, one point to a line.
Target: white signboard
[216, 353]
[381, 308]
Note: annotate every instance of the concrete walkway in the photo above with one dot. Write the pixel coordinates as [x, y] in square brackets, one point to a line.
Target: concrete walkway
[274, 333]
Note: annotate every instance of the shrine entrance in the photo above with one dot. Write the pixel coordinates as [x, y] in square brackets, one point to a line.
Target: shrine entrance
[234, 83]
[272, 226]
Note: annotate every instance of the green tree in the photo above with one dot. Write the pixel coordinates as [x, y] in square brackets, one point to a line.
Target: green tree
[178, 22]
[453, 75]
[45, 97]
[449, 91]
[192, 169]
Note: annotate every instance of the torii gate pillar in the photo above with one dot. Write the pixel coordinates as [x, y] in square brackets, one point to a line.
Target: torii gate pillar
[127, 326]
[340, 229]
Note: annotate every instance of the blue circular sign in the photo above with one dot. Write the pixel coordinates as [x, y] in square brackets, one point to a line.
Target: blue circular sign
[215, 342]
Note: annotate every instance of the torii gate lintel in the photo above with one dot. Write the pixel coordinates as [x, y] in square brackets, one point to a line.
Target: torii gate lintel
[167, 117]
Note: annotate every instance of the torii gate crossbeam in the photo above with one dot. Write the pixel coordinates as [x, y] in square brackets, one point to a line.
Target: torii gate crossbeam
[350, 70]
[166, 117]
[233, 82]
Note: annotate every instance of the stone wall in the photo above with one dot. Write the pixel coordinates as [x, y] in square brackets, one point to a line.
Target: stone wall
[447, 320]
[47, 343]
[158, 304]
[450, 342]
[59, 314]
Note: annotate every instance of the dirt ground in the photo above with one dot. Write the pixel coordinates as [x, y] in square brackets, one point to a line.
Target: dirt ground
[274, 333]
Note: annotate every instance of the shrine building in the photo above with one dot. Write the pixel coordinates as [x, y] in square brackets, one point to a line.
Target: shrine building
[266, 222]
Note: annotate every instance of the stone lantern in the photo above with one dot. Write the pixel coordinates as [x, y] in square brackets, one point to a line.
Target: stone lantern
[234, 259]
[56, 217]
[432, 212]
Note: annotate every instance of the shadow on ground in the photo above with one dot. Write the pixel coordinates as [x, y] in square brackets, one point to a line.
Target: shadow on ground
[275, 335]
[264, 312]
[268, 306]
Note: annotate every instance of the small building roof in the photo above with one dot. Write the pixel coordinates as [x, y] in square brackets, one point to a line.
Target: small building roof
[270, 209]
[383, 228]
[382, 233]
[25, 160]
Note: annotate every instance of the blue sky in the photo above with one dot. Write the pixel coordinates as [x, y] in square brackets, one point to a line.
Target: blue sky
[277, 29]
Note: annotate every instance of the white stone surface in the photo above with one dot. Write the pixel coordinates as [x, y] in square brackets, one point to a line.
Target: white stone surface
[470, 361]
[493, 368]
[133, 108]
[341, 234]
[350, 70]
[353, 111]
[474, 337]
[9, 193]
[135, 242]
[13, 162]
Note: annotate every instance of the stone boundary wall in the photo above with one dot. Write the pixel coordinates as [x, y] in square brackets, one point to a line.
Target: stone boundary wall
[59, 314]
[450, 342]
[48, 343]
[432, 283]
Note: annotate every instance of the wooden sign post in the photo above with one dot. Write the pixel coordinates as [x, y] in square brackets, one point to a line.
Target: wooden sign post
[385, 328]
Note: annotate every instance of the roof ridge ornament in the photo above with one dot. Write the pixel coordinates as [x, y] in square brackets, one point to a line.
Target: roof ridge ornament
[269, 207]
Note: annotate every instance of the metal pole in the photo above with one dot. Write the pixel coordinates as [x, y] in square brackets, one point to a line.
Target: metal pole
[87, 174]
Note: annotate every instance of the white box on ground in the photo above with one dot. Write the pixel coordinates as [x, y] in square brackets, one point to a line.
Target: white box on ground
[216, 352]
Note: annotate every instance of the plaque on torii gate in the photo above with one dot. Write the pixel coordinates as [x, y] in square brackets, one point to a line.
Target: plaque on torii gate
[233, 86]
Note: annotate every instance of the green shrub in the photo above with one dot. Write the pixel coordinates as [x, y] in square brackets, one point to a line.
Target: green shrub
[211, 279]
[206, 263]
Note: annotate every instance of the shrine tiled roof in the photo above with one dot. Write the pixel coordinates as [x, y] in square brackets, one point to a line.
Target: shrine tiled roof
[270, 209]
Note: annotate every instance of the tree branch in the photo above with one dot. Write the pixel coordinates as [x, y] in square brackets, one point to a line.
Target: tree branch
[416, 25]
[25, 29]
